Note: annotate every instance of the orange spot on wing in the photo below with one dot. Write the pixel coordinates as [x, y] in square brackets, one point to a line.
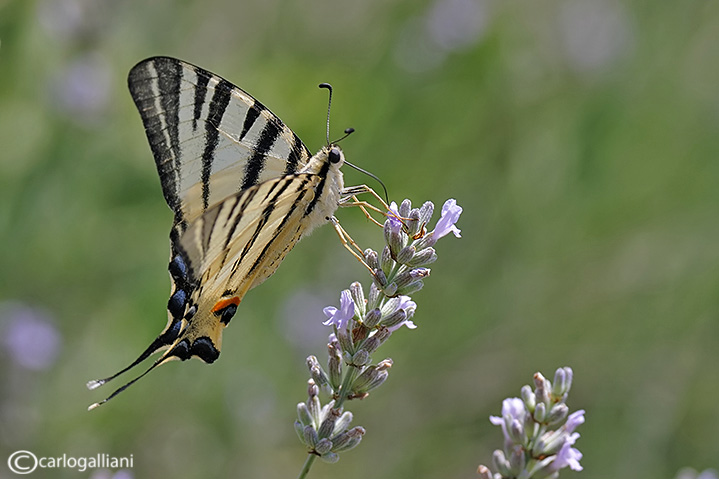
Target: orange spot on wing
[223, 303]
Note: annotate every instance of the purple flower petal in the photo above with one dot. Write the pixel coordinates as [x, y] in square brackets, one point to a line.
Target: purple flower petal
[406, 322]
[340, 317]
[512, 408]
[450, 215]
[574, 420]
[568, 456]
[393, 218]
[409, 307]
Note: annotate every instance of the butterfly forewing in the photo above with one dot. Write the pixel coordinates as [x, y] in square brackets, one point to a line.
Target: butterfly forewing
[210, 139]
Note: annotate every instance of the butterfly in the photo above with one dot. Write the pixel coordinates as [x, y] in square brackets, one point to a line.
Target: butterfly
[243, 189]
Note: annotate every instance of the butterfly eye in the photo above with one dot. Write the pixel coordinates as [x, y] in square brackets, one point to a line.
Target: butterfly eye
[334, 155]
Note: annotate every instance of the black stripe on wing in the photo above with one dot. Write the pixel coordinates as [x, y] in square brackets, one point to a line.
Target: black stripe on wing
[218, 106]
[256, 163]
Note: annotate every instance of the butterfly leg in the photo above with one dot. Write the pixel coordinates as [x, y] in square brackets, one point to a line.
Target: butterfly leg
[350, 244]
[349, 198]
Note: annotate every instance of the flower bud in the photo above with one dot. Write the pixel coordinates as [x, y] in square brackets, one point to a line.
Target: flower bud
[549, 443]
[372, 318]
[393, 236]
[374, 296]
[342, 423]
[328, 424]
[370, 379]
[384, 365]
[323, 446]
[386, 262]
[501, 464]
[484, 472]
[330, 457]
[303, 414]
[423, 257]
[540, 412]
[380, 279]
[312, 389]
[412, 224]
[394, 319]
[348, 440]
[557, 415]
[358, 298]
[404, 208]
[334, 365]
[528, 397]
[517, 459]
[516, 431]
[425, 212]
[412, 287]
[316, 371]
[373, 342]
[390, 290]
[310, 436]
[370, 257]
[406, 254]
[360, 358]
[541, 390]
[426, 241]
[300, 430]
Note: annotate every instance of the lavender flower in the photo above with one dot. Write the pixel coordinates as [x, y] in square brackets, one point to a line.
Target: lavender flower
[340, 317]
[538, 432]
[450, 214]
[363, 322]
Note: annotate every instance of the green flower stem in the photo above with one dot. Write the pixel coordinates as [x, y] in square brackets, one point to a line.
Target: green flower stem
[308, 464]
[350, 376]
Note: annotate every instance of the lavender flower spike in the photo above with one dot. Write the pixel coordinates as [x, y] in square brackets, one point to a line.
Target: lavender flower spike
[340, 317]
[538, 433]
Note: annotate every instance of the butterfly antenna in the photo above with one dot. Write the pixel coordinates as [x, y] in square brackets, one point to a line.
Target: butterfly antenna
[329, 106]
[362, 170]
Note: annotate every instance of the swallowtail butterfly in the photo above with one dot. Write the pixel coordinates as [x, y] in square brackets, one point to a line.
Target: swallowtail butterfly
[243, 189]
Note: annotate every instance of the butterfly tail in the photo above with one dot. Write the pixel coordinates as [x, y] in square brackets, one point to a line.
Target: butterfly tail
[164, 340]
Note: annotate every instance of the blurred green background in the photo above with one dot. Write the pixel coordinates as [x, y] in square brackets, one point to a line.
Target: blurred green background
[580, 137]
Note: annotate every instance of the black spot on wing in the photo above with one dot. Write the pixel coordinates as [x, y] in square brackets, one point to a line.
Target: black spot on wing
[204, 349]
